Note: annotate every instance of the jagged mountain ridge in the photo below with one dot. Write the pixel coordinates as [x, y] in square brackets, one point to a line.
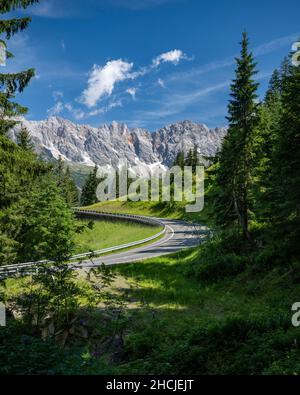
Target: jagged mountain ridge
[108, 144]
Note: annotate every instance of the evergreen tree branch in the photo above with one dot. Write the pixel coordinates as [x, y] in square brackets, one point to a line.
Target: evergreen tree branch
[11, 5]
[16, 82]
[13, 26]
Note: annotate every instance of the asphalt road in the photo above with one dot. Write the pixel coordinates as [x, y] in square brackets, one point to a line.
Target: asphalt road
[179, 235]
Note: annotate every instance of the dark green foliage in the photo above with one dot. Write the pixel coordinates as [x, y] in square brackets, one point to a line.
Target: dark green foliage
[19, 170]
[233, 179]
[180, 160]
[192, 158]
[275, 86]
[195, 161]
[19, 167]
[71, 191]
[189, 161]
[11, 83]
[225, 255]
[66, 184]
[24, 140]
[234, 346]
[287, 157]
[23, 353]
[47, 230]
[11, 5]
[13, 26]
[88, 194]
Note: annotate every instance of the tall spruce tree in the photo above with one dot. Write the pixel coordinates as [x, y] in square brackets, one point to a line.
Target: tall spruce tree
[286, 162]
[24, 140]
[19, 167]
[88, 194]
[274, 88]
[189, 159]
[180, 160]
[195, 157]
[234, 174]
[48, 228]
[264, 146]
[11, 83]
[15, 165]
[59, 172]
[66, 183]
[71, 191]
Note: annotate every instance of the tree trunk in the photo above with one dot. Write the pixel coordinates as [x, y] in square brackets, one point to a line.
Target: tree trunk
[243, 220]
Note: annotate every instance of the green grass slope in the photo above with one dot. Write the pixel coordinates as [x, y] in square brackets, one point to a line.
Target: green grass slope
[152, 209]
[105, 234]
[171, 322]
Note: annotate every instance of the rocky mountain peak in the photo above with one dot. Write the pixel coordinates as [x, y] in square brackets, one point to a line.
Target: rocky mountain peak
[108, 144]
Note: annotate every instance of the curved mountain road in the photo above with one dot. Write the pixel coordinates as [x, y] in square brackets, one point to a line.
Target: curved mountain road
[179, 235]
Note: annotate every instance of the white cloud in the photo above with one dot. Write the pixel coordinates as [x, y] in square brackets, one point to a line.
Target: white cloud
[57, 95]
[161, 83]
[105, 109]
[260, 50]
[102, 80]
[69, 8]
[56, 109]
[274, 45]
[48, 9]
[63, 45]
[59, 107]
[173, 104]
[174, 56]
[76, 112]
[132, 92]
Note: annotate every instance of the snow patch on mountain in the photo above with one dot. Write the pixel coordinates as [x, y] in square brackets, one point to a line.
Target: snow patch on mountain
[112, 144]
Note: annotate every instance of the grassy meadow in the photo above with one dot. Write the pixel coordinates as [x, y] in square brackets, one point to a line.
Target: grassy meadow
[105, 234]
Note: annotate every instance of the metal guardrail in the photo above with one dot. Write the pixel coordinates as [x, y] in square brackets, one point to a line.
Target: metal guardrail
[33, 267]
[136, 218]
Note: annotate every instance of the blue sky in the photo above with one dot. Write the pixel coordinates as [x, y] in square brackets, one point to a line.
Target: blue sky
[147, 63]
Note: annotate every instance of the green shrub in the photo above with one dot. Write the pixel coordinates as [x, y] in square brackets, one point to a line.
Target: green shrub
[23, 353]
[236, 345]
[219, 258]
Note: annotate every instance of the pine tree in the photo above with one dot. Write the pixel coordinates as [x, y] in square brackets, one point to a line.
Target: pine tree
[48, 228]
[88, 194]
[180, 160]
[274, 89]
[285, 70]
[35, 221]
[11, 83]
[189, 159]
[286, 164]
[71, 191]
[195, 161]
[233, 178]
[265, 142]
[66, 183]
[24, 140]
[59, 172]
[15, 167]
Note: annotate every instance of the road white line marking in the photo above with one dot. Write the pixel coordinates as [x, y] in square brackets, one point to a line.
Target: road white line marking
[133, 258]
